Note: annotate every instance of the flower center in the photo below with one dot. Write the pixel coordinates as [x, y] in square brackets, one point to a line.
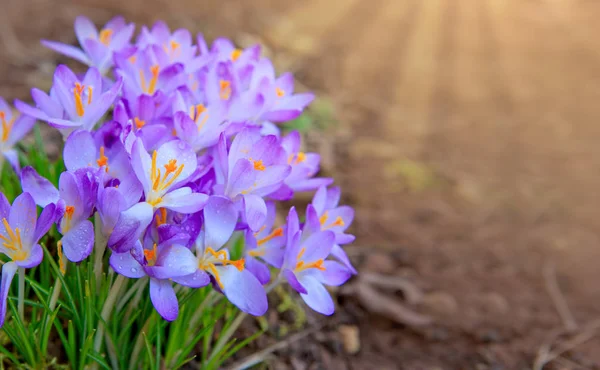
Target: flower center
[224, 89]
[339, 221]
[151, 255]
[151, 87]
[78, 94]
[212, 258]
[13, 242]
[161, 182]
[161, 217]
[6, 126]
[102, 160]
[302, 265]
[300, 158]
[280, 93]
[173, 49]
[258, 165]
[105, 36]
[139, 123]
[69, 211]
[197, 111]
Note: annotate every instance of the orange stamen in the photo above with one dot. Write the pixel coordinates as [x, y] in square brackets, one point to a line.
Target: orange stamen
[276, 233]
[161, 217]
[221, 256]
[159, 182]
[224, 89]
[235, 54]
[6, 126]
[103, 160]
[69, 210]
[196, 112]
[105, 36]
[77, 92]
[280, 93]
[339, 221]
[62, 259]
[324, 218]
[258, 165]
[13, 243]
[318, 264]
[139, 123]
[90, 92]
[151, 87]
[171, 167]
[150, 255]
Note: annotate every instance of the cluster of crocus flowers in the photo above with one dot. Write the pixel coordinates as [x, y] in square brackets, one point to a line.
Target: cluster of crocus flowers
[177, 149]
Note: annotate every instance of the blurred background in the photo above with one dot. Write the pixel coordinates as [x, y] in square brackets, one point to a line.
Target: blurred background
[464, 132]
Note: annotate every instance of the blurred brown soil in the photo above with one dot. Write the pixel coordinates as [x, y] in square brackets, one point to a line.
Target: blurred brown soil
[467, 141]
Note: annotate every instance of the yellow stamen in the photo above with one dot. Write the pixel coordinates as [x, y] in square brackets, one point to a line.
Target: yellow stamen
[300, 157]
[258, 165]
[132, 59]
[105, 36]
[280, 93]
[196, 112]
[151, 255]
[235, 54]
[69, 210]
[77, 94]
[339, 221]
[171, 167]
[103, 160]
[151, 87]
[90, 90]
[257, 252]
[161, 217]
[139, 123]
[221, 257]
[276, 233]
[324, 218]
[159, 182]
[62, 259]
[13, 242]
[224, 89]
[301, 265]
[6, 126]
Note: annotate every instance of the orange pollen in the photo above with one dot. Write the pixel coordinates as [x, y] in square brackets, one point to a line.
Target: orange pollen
[150, 255]
[62, 260]
[90, 92]
[132, 59]
[257, 252]
[276, 233]
[77, 94]
[339, 221]
[151, 87]
[160, 182]
[198, 111]
[221, 256]
[280, 93]
[235, 54]
[105, 36]
[103, 160]
[139, 123]
[318, 264]
[258, 165]
[69, 210]
[300, 157]
[224, 89]
[6, 126]
[161, 217]
[13, 241]
[324, 218]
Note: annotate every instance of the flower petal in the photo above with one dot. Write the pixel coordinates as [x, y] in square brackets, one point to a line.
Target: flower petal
[243, 290]
[126, 265]
[130, 226]
[317, 297]
[8, 272]
[164, 299]
[220, 217]
[80, 151]
[196, 280]
[23, 215]
[79, 241]
[184, 201]
[42, 190]
[255, 210]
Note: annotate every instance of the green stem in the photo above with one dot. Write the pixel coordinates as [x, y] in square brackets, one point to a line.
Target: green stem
[55, 294]
[224, 338]
[21, 301]
[99, 249]
[139, 343]
[109, 304]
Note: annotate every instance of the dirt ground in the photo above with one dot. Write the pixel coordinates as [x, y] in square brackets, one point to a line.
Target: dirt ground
[467, 141]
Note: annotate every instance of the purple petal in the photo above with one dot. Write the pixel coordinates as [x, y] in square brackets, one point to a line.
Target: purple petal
[341, 256]
[318, 246]
[242, 178]
[258, 269]
[85, 29]
[34, 259]
[243, 290]
[130, 226]
[220, 217]
[319, 200]
[141, 163]
[184, 201]
[12, 157]
[42, 190]
[8, 272]
[79, 151]
[4, 207]
[79, 241]
[101, 106]
[178, 261]
[317, 297]
[196, 280]
[44, 223]
[68, 50]
[126, 265]
[23, 215]
[293, 281]
[21, 127]
[335, 274]
[164, 299]
[255, 210]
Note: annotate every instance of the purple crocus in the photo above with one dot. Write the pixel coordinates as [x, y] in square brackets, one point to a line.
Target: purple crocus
[72, 103]
[98, 46]
[231, 277]
[75, 199]
[162, 176]
[305, 266]
[20, 231]
[13, 127]
[162, 263]
[267, 244]
[255, 167]
[177, 45]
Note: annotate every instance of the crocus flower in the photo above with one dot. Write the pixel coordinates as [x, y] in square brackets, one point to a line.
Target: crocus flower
[177, 45]
[13, 127]
[162, 176]
[75, 198]
[72, 103]
[254, 167]
[238, 284]
[20, 231]
[267, 245]
[162, 263]
[304, 167]
[98, 47]
[306, 269]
